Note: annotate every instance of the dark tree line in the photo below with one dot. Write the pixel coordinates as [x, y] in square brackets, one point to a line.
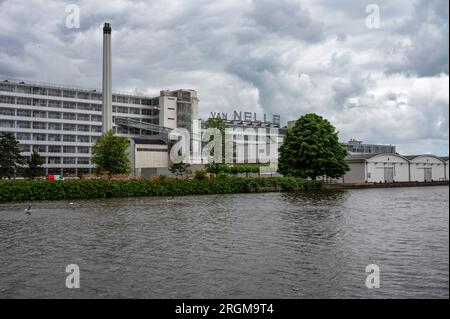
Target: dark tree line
[12, 163]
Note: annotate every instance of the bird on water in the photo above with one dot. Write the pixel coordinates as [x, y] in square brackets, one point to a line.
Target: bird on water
[28, 210]
[170, 198]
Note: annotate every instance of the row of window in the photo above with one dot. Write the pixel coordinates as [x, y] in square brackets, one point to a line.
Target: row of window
[58, 115]
[55, 149]
[67, 171]
[10, 87]
[68, 160]
[24, 136]
[50, 115]
[50, 103]
[50, 126]
[65, 126]
[368, 149]
[131, 131]
[84, 117]
[63, 160]
[55, 137]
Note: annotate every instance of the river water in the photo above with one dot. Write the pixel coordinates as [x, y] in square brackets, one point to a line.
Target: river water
[272, 245]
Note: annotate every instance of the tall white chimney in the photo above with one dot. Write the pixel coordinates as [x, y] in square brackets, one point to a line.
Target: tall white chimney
[107, 89]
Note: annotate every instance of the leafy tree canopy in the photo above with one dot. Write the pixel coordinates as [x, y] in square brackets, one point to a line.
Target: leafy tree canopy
[311, 148]
[218, 123]
[110, 154]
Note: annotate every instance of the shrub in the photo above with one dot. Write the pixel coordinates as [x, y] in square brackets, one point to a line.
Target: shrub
[200, 175]
[289, 184]
[25, 190]
[312, 185]
[222, 175]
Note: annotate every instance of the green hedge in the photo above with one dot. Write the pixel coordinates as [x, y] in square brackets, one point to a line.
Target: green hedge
[217, 168]
[25, 190]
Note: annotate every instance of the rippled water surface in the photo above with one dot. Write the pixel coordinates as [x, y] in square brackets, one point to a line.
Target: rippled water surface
[274, 245]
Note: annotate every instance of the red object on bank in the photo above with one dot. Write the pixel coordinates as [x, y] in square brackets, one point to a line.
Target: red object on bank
[51, 177]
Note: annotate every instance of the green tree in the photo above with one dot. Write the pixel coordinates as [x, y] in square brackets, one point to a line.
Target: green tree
[218, 123]
[311, 148]
[110, 154]
[180, 169]
[34, 166]
[10, 158]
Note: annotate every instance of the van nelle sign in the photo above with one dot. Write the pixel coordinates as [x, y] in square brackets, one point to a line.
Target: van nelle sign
[246, 117]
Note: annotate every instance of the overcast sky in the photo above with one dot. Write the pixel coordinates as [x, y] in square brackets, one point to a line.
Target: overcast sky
[290, 57]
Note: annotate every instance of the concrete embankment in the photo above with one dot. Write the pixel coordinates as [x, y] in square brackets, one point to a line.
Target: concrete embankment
[384, 185]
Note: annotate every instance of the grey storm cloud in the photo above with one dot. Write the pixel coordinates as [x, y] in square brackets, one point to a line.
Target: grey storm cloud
[286, 18]
[288, 57]
[426, 54]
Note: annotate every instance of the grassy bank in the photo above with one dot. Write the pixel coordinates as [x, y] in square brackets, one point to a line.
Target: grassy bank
[26, 190]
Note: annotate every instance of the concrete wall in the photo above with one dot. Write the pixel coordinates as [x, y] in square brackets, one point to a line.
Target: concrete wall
[420, 163]
[376, 168]
[168, 111]
[151, 156]
[357, 173]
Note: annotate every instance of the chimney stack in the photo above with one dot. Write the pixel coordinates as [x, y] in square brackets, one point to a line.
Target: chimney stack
[107, 88]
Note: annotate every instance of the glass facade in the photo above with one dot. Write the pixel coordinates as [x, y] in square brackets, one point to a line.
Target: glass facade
[36, 112]
[358, 147]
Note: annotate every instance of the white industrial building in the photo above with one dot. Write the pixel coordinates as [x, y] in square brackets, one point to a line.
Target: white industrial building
[427, 168]
[445, 159]
[373, 168]
[389, 168]
[63, 123]
[252, 138]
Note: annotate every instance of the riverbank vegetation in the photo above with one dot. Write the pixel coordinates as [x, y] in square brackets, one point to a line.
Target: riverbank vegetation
[26, 190]
[233, 169]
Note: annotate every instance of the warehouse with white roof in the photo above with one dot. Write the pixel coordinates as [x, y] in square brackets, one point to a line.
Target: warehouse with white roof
[427, 168]
[391, 168]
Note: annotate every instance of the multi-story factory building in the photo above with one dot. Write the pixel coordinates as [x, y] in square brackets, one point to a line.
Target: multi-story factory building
[63, 123]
